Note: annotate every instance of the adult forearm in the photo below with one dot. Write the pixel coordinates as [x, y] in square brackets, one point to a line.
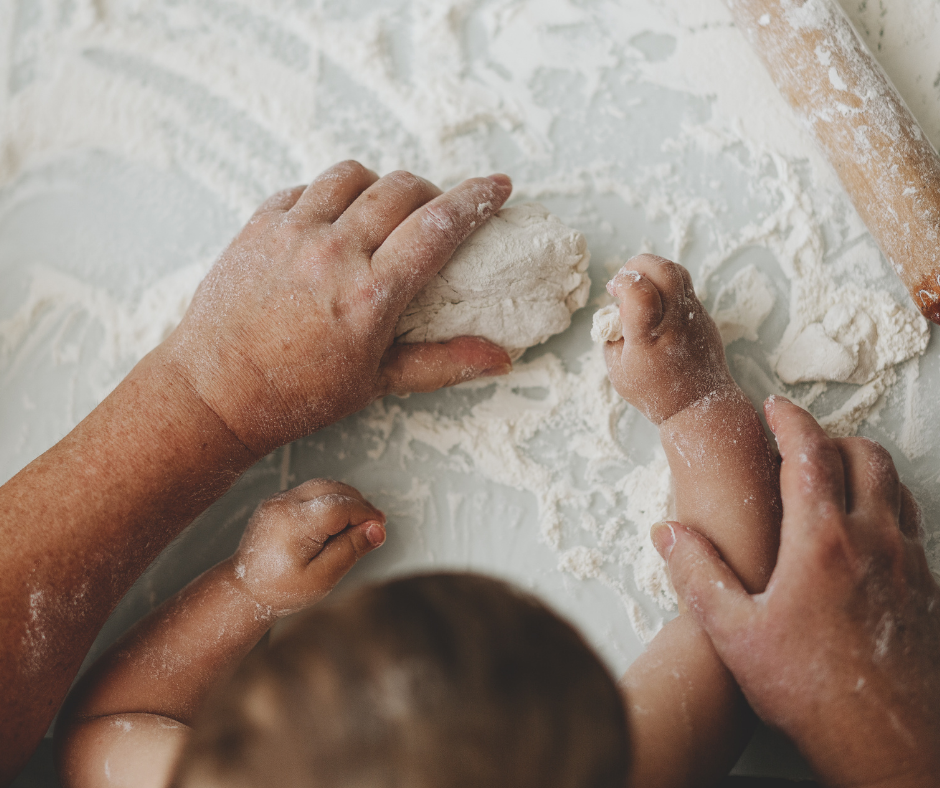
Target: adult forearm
[83, 521]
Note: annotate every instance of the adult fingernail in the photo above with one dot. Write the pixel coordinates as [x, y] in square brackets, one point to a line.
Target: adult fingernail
[503, 181]
[494, 372]
[375, 533]
[664, 538]
[770, 405]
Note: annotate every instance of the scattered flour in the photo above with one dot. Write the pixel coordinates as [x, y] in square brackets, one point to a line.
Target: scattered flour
[515, 281]
[613, 499]
[247, 97]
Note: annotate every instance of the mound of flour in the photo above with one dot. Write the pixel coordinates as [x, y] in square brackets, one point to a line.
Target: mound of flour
[515, 281]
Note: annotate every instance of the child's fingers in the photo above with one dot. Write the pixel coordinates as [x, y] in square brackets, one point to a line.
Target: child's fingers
[315, 487]
[343, 550]
[384, 206]
[408, 369]
[641, 307]
[333, 191]
[327, 515]
[704, 582]
[670, 279]
[420, 246]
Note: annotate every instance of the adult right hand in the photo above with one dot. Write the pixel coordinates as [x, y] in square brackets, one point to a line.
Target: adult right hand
[842, 651]
[292, 329]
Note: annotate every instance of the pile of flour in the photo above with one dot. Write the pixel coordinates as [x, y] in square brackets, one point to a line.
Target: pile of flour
[515, 281]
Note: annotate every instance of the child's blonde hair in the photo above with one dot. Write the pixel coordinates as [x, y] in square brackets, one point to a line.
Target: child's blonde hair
[435, 681]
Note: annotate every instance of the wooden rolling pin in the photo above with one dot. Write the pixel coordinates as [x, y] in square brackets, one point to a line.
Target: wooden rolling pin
[887, 165]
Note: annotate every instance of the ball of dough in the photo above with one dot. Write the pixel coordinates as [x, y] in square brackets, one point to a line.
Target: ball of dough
[607, 326]
[515, 281]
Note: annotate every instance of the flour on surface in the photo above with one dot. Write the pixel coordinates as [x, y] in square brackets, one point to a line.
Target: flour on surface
[515, 281]
[245, 98]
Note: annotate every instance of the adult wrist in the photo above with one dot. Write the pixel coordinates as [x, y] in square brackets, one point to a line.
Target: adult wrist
[172, 380]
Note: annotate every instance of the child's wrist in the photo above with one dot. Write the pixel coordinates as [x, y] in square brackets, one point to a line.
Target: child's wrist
[232, 573]
[720, 395]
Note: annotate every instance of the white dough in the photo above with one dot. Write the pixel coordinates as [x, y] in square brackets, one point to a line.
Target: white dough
[607, 326]
[515, 281]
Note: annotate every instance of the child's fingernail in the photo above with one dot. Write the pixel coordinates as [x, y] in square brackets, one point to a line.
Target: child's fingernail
[664, 538]
[375, 533]
[501, 180]
[499, 369]
[624, 276]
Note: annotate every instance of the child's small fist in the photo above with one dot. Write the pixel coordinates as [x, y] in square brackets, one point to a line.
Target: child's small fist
[299, 544]
[671, 354]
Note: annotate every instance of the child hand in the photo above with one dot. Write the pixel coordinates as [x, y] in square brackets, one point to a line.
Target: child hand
[671, 354]
[299, 544]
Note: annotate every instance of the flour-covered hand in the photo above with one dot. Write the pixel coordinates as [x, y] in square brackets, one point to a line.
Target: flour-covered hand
[841, 651]
[299, 544]
[293, 327]
[671, 355]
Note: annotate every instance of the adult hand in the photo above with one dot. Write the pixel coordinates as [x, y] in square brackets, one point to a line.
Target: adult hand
[842, 651]
[292, 329]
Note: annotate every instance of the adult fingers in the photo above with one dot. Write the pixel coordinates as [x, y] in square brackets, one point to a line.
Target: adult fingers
[872, 482]
[419, 246]
[641, 307]
[812, 477]
[430, 366]
[911, 518]
[384, 206]
[328, 515]
[343, 550]
[279, 202]
[331, 193]
[704, 582]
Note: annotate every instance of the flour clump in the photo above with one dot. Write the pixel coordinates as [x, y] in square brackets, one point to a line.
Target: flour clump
[515, 281]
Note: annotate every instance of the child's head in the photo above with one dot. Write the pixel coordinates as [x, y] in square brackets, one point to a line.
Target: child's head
[435, 681]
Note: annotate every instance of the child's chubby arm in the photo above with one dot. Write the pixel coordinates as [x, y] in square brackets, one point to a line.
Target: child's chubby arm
[128, 717]
[689, 722]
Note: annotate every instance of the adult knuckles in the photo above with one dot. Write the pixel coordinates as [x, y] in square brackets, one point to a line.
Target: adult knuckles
[405, 182]
[348, 169]
[891, 550]
[829, 547]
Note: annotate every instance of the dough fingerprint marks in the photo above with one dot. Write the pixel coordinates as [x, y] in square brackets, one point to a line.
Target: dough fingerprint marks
[516, 282]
